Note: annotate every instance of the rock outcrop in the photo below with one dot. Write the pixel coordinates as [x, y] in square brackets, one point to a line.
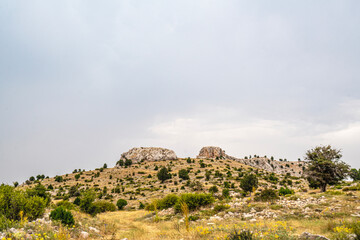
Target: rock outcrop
[279, 167]
[148, 154]
[211, 152]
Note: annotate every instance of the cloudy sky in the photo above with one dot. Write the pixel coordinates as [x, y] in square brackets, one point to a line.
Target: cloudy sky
[83, 81]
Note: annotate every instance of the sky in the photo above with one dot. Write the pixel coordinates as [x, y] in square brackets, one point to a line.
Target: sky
[83, 81]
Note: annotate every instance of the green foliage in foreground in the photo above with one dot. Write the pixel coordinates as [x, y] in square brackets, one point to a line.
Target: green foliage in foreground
[240, 235]
[13, 201]
[62, 215]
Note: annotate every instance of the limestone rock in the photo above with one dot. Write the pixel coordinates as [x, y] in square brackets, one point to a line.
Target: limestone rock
[212, 153]
[84, 235]
[309, 236]
[148, 154]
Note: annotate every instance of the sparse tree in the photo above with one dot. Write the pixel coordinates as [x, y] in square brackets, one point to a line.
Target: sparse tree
[324, 166]
[163, 174]
[249, 183]
[183, 174]
[355, 174]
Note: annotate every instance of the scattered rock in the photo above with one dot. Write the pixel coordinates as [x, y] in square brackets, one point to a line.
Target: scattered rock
[216, 218]
[309, 236]
[84, 235]
[94, 229]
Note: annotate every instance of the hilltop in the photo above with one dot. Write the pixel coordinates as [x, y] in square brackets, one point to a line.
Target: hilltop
[138, 181]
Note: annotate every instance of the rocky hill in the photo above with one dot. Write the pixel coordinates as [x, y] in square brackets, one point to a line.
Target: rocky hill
[279, 167]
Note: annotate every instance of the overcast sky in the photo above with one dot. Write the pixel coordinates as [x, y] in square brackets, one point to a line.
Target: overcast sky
[83, 81]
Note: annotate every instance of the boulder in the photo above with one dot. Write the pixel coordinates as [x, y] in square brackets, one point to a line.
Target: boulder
[148, 154]
[309, 236]
[84, 235]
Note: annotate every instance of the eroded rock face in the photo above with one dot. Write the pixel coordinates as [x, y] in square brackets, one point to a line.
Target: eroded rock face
[212, 152]
[294, 168]
[149, 154]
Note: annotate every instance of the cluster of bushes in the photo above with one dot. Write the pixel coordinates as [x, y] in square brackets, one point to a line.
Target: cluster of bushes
[285, 191]
[193, 201]
[88, 205]
[267, 195]
[15, 204]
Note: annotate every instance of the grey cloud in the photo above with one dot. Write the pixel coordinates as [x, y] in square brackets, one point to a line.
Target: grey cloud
[82, 81]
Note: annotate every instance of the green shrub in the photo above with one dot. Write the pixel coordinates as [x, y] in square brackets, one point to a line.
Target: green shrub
[121, 203]
[267, 195]
[163, 174]
[184, 174]
[86, 202]
[220, 208]
[226, 193]
[193, 218]
[13, 201]
[240, 235]
[7, 223]
[249, 183]
[285, 191]
[40, 191]
[213, 189]
[77, 201]
[104, 206]
[66, 204]
[168, 201]
[63, 215]
[194, 200]
[352, 188]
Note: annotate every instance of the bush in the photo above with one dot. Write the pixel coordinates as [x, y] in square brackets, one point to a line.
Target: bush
[66, 204]
[213, 189]
[194, 200]
[168, 201]
[12, 202]
[183, 174]
[240, 235]
[193, 218]
[163, 174]
[104, 206]
[249, 183]
[285, 191]
[267, 195]
[226, 193]
[86, 202]
[121, 203]
[59, 178]
[39, 191]
[220, 208]
[61, 214]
